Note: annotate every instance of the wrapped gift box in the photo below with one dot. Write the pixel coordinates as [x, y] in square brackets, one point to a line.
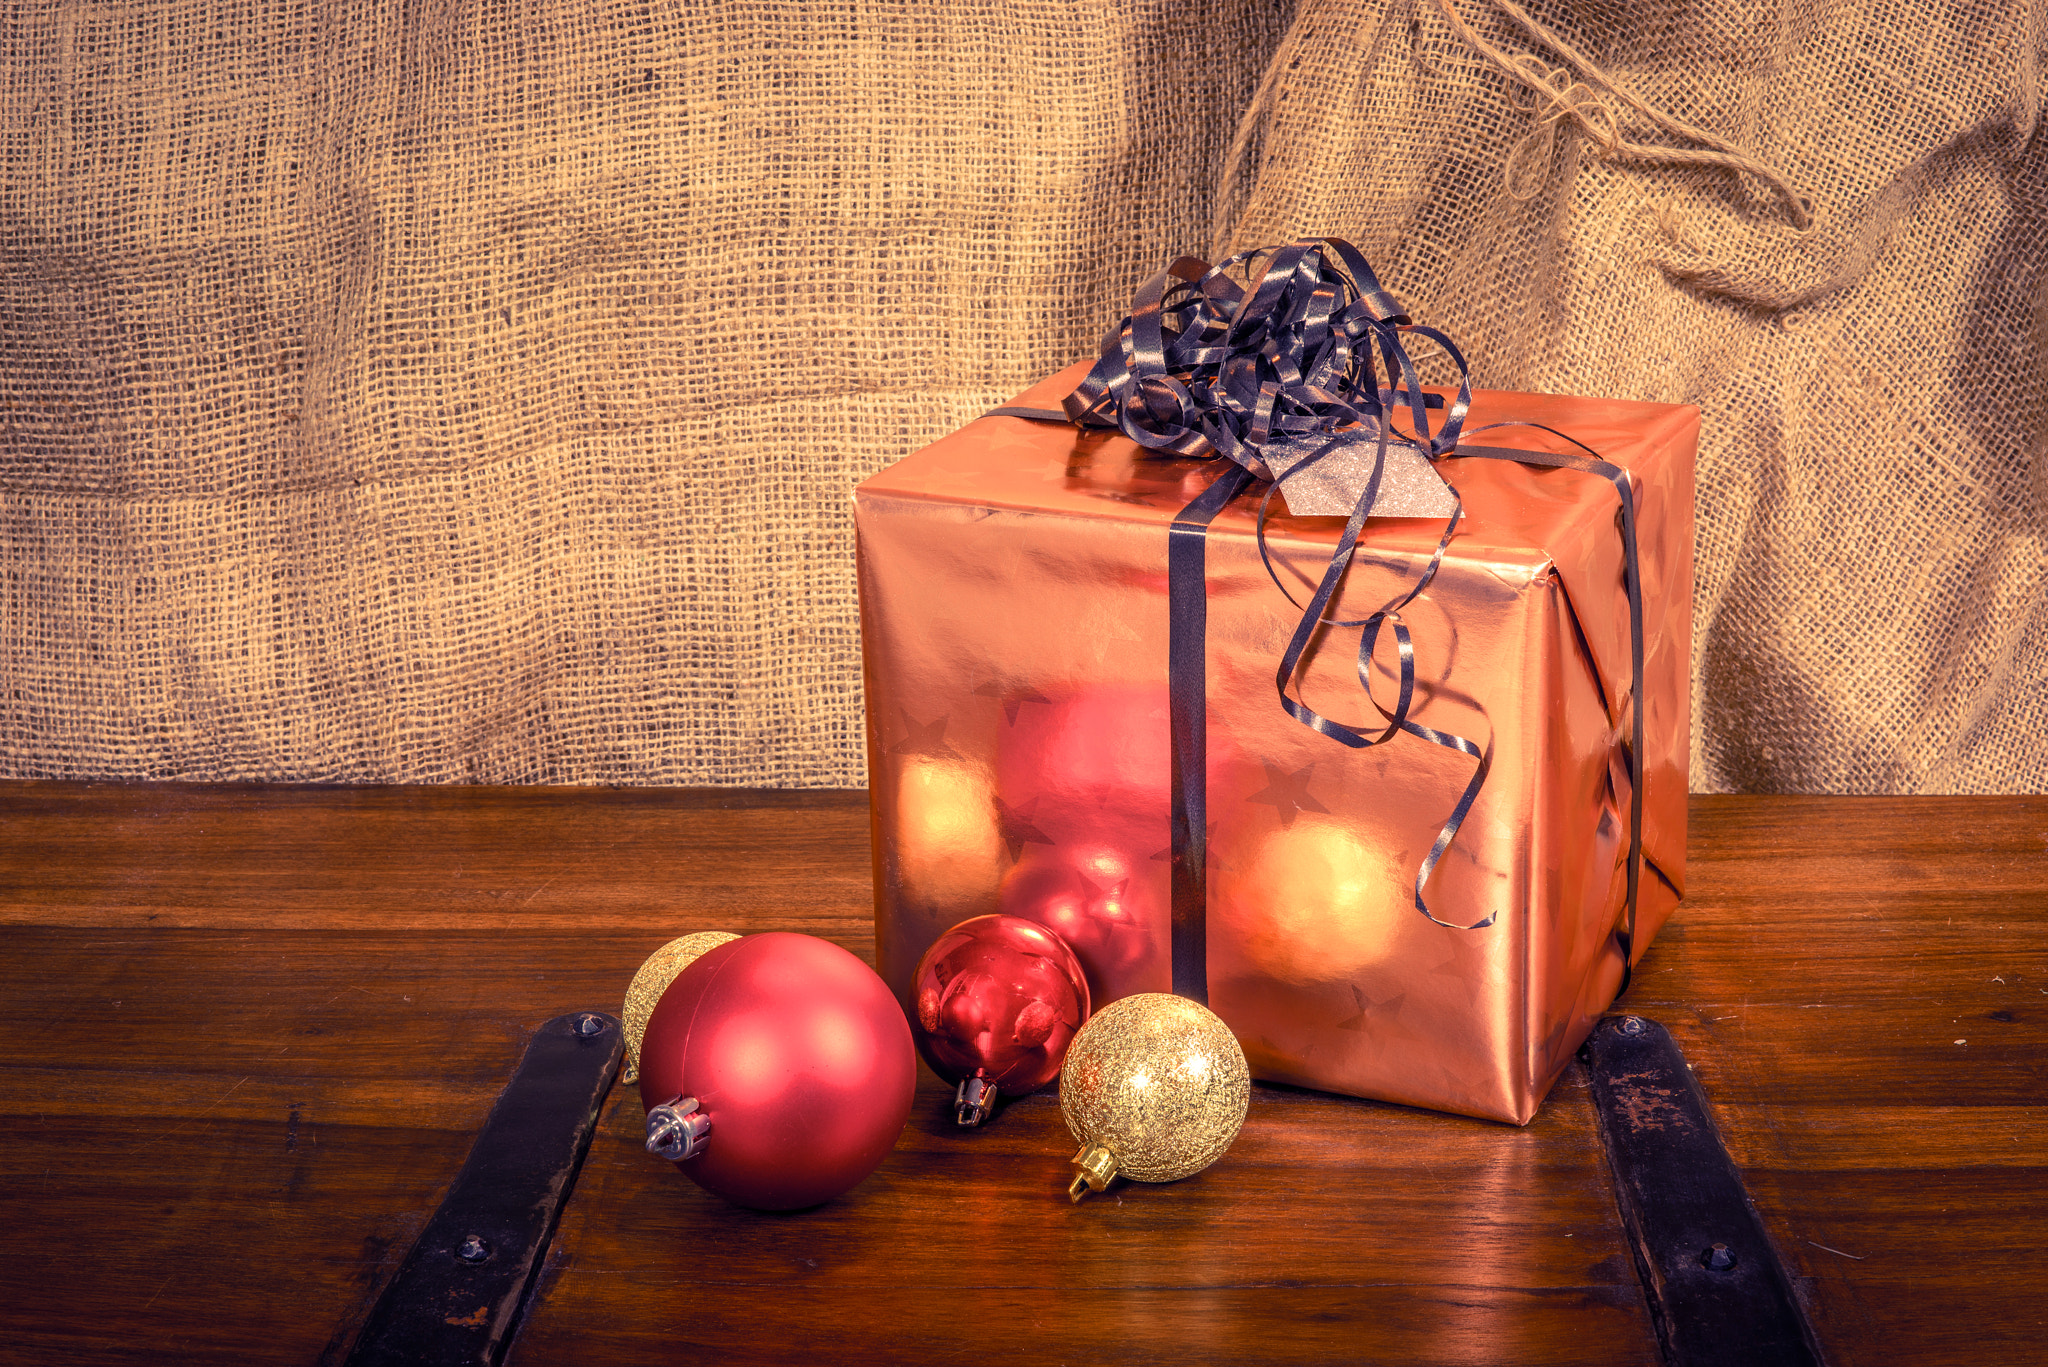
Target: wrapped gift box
[1013, 582]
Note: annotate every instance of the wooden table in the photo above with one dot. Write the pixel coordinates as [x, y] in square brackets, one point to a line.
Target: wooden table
[251, 1033]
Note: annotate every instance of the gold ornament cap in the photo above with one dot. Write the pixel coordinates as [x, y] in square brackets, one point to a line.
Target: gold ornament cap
[1094, 1166]
[1156, 1083]
[652, 979]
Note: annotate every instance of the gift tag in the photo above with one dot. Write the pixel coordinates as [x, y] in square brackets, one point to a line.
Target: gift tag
[1332, 486]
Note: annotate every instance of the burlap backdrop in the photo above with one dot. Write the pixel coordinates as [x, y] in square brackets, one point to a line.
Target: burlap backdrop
[451, 391]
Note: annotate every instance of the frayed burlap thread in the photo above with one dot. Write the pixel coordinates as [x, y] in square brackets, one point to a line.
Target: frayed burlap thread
[1558, 94]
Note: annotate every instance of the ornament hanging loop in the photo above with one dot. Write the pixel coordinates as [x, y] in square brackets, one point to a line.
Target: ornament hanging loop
[677, 1130]
[1095, 1166]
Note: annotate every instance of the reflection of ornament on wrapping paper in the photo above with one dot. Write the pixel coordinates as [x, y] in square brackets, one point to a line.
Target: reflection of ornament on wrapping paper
[1105, 907]
[997, 1000]
[1082, 787]
[1307, 902]
[1096, 751]
[948, 849]
[1314, 943]
[1155, 1088]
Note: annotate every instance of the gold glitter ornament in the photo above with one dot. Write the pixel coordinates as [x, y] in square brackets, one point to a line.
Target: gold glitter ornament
[1155, 1089]
[653, 979]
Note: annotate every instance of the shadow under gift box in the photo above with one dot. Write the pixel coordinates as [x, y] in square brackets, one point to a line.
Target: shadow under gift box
[1014, 626]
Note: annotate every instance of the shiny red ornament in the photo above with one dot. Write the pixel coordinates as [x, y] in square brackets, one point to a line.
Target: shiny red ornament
[998, 997]
[777, 1071]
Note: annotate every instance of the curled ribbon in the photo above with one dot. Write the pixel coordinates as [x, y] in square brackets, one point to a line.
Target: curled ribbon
[1276, 373]
[1205, 366]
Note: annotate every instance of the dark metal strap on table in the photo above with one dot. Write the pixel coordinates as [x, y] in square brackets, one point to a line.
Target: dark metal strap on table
[460, 1293]
[1716, 1289]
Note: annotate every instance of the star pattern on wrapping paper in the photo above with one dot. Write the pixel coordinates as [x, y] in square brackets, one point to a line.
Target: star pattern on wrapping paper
[1464, 952]
[1455, 1091]
[927, 739]
[1287, 793]
[1105, 888]
[1453, 967]
[1388, 1008]
[1013, 698]
[1108, 635]
[1018, 447]
[1015, 825]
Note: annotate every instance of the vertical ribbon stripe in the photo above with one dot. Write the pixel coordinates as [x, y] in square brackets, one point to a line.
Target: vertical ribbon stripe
[1187, 690]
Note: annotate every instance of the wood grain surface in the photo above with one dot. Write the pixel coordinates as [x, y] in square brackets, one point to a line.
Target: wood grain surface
[252, 1031]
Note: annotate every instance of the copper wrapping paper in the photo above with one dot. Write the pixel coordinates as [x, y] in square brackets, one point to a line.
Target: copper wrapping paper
[1013, 604]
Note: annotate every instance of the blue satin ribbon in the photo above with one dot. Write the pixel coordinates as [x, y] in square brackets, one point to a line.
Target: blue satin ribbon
[1205, 367]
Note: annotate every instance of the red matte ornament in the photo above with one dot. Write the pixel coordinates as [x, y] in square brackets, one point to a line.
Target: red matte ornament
[998, 998]
[777, 1071]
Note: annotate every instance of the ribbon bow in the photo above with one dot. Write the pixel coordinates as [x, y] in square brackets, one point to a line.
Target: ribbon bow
[1264, 375]
[1279, 376]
